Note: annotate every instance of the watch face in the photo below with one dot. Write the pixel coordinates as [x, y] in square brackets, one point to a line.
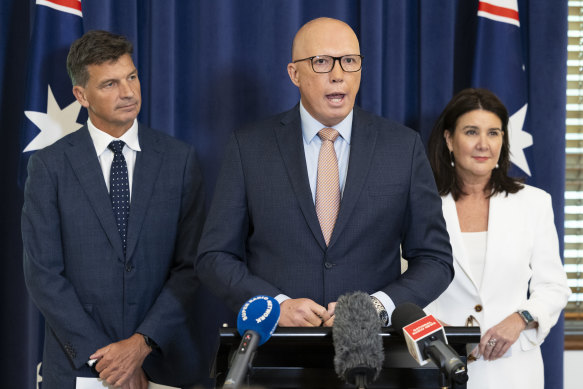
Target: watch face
[384, 316]
[527, 316]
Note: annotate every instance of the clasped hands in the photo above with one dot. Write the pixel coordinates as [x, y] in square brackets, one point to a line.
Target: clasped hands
[120, 363]
[498, 339]
[304, 312]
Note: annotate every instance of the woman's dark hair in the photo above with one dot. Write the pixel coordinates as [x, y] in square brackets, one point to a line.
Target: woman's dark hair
[439, 156]
[95, 48]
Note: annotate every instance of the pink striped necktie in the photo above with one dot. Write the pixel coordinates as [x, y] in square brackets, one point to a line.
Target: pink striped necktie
[327, 186]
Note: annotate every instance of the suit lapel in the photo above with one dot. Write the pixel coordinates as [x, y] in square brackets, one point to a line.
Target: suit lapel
[148, 162]
[289, 140]
[497, 227]
[85, 165]
[362, 146]
[456, 239]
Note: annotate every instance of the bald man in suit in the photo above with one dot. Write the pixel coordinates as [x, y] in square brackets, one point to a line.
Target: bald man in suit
[270, 229]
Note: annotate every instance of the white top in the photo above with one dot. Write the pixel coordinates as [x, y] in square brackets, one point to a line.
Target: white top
[475, 243]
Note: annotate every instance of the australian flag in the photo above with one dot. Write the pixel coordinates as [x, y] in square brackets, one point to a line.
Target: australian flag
[537, 149]
[499, 67]
[51, 110]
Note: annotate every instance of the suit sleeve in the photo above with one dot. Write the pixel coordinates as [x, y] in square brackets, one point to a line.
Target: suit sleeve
[44, 268]
[221, 260]
[170, 311]
[425, 241]
[548, 288]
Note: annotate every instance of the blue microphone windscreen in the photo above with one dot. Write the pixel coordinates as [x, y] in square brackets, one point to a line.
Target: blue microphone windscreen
[260, 314]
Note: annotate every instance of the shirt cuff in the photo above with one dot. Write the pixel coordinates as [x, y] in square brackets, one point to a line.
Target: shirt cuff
[387, 303]
[280, 298]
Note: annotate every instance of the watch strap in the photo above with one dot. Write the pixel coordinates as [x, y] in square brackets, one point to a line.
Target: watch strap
[149, 342]
[528, 319]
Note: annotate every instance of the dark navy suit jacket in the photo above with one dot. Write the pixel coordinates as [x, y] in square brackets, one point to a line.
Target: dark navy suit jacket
[262, 234]
[75, 269]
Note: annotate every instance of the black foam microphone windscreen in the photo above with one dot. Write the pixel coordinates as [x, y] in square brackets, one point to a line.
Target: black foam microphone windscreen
[358, 345]
[405, 314]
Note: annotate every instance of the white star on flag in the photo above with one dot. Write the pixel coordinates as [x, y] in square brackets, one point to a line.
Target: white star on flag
[54, 124]
[519, 139]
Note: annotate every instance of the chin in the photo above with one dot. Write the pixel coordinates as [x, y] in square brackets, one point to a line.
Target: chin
[336, 116]
[128, 117]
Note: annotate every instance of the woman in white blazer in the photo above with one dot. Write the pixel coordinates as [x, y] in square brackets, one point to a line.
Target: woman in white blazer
[509, 278]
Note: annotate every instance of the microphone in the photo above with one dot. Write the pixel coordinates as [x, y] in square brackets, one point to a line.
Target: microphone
[256, 322]
[358, 347]
[426, 340]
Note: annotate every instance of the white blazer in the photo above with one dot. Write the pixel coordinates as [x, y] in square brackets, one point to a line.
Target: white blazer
[522, 246]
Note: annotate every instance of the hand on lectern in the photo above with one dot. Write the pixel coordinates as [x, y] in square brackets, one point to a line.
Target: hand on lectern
[302, 312]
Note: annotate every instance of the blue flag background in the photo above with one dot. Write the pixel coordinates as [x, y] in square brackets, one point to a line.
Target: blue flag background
[57, 24]
[208, 67]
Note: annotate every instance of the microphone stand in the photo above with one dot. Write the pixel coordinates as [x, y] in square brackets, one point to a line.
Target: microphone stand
[360, 382]
[444, 382]
[360, 376]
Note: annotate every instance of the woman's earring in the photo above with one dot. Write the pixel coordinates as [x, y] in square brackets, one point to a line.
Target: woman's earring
[452, 163]
[496, 167]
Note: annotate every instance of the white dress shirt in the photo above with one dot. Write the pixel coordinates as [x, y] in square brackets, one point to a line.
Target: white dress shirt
[312, 144]
[101, 140]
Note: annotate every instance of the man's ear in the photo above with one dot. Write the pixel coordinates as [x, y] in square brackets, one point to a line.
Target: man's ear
[292, 71]
[79, 93]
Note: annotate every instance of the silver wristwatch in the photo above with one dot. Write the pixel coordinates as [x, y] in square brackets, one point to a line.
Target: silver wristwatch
[528, 319]
[381, 311]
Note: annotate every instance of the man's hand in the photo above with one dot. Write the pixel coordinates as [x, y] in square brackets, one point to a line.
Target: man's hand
[137, 381]
[330, 322]
[119, 362]
[302, 313]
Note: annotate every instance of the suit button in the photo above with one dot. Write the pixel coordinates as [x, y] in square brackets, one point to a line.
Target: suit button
[129, 267]
[328, 265]
[478, 308]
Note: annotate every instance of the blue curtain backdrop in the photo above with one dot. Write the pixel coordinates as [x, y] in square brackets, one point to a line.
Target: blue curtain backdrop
[207, 67]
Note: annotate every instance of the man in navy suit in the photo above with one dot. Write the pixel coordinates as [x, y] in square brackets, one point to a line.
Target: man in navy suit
[265, 233]
[117, 290]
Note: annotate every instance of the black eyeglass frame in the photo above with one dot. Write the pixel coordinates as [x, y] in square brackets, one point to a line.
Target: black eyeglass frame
[334, 59]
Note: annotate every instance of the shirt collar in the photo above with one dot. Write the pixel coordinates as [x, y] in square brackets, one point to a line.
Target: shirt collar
[102, 139]
[311, 127]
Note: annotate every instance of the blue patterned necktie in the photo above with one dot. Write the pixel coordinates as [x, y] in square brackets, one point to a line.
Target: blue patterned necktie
[119, 190]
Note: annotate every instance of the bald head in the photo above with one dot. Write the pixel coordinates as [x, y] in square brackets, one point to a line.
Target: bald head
[328, 97]
[309, 36]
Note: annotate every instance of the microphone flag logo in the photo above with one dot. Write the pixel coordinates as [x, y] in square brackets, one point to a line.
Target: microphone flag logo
[259, 314]
[423, 328]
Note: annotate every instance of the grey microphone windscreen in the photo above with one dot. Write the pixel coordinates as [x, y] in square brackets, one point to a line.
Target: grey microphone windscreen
[357, 342]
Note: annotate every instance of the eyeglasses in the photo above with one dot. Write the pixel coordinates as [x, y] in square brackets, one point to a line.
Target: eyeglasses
[325, 63]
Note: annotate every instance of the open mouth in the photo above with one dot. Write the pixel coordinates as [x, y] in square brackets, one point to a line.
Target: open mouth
[335, 98]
